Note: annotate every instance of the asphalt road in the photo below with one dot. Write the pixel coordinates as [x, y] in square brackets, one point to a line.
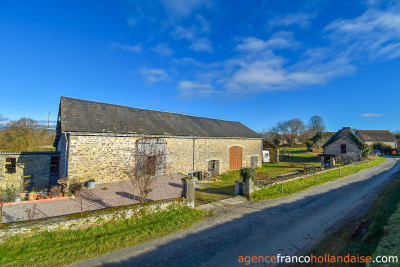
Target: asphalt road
[286, 226]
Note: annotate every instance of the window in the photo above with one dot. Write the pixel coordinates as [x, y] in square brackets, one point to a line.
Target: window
[343, 149]
[11, 164]
[54, 161]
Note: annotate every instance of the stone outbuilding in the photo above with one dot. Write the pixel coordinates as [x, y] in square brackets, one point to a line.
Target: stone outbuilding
[96, 140]
[342, 143]
[374, 136]
[40, 168]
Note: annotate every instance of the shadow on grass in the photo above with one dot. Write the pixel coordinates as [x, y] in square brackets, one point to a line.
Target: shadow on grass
[225, 242]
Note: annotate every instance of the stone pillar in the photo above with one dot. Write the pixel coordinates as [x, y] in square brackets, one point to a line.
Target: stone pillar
[189, 186]
[248, 187]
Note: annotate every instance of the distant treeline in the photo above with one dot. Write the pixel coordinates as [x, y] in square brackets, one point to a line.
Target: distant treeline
[26, 134]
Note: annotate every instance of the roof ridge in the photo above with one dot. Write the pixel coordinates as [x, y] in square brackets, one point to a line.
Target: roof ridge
[195, 116]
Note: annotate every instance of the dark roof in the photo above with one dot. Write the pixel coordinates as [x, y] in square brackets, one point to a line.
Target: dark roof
[344, 132]
[76, 115]
[376, 136]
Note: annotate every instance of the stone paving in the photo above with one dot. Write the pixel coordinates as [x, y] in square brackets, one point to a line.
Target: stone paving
[103, 196]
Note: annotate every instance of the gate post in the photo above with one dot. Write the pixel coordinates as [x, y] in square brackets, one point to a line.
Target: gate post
[248, 187]
[189, 186]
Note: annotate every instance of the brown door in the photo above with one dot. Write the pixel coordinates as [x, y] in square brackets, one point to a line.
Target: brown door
[235, 158]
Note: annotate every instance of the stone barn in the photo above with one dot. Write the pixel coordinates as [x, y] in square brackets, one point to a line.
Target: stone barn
[342, 143]
[96, 140]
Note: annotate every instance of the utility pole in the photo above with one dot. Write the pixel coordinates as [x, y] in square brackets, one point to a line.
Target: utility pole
[48, 119]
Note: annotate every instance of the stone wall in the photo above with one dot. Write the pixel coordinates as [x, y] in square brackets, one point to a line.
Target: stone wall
[335, 148]
[35, 164]
[102, 157]
[73, 222]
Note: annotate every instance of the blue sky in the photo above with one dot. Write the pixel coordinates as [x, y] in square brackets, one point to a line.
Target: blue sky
[258, 62]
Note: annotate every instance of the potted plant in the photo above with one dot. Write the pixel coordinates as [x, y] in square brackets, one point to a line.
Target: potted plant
[55, 190]
[32, 195]
[91, 184]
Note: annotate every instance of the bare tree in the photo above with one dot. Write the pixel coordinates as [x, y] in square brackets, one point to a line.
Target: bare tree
[296, 129]
[316, 124]
[289, 130]
[147, 162]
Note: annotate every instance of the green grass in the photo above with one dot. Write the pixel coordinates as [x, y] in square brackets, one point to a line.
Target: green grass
[225, 187]
[216, 191]
[290, 188]
[64, 247]
[376, 233]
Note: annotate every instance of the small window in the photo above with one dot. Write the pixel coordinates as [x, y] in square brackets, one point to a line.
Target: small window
[343, 149]
[54, 161]
[11, 164]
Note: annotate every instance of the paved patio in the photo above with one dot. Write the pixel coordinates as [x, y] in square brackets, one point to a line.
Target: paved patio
[101, 197]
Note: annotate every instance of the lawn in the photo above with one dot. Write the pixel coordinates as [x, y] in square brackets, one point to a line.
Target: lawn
[290, 188]
[376, 233]
[225, 187]
[65, 247]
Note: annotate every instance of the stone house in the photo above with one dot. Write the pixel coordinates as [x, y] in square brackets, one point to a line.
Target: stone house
[96, 139]
[374, 136]
[342, 143]
[41, 167]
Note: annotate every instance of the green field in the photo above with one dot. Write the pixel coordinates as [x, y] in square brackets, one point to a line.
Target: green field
[65, 247]
[290, 188]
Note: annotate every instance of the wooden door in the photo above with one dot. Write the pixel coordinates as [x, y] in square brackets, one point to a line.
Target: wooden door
[235, 158]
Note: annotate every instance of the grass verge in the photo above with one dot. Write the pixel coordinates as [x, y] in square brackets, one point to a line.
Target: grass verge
[290, 188]
[64, 247]
[376, 233]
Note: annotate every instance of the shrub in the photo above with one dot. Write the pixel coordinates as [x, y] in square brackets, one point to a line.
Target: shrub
[247, 174]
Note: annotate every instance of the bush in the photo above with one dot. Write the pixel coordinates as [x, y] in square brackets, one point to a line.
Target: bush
[247, 174]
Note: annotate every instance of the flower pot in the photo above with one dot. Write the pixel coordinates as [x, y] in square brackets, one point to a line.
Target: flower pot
[17, 199]
[47, 197]
[22, 195]
[91, 184]
[60, 194]
[32, 196]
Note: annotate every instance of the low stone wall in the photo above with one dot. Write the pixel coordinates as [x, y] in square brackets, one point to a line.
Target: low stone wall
[88, 219]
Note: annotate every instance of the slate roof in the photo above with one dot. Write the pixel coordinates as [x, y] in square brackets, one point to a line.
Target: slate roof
[344, 132]
[76, 115]
[376, 136]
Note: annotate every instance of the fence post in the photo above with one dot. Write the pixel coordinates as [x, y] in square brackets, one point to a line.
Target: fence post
[340, 171]
[316, 176]
[282, 187]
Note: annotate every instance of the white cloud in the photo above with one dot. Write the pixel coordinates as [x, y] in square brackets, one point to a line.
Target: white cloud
[279, 40]
[153, 75]
[2, 118]
[376, 34]
[190, 89]
[301, 19]
[131, 48]
[198, 42]
[201, 44]
[163, 49]
[183, 8]
[373, 115]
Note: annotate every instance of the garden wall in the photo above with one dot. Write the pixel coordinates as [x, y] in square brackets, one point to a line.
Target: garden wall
[76, 221]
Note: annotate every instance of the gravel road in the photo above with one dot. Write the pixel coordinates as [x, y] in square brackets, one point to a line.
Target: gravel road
[285, 226]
